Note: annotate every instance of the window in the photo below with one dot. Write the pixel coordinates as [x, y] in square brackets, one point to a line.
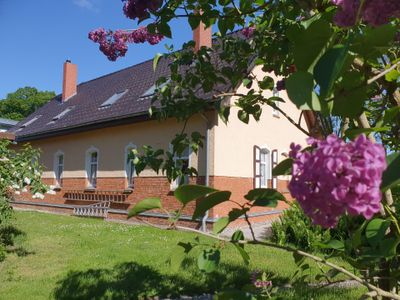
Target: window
[114, 98]
[59, 168]
[182, 162]
[129, 166]
[62, 114]
[152, 90]
[92, 161]
[29, 122]
[275, 112]
[262, 167]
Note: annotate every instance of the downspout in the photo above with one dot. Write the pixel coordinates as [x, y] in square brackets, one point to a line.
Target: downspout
[207, 175]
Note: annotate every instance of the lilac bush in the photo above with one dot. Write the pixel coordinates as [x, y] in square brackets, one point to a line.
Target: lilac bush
[335, 178]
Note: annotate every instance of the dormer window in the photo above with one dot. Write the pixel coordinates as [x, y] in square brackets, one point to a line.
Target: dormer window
[114, 98]
[152, 90]
[62, 114]
[29, 122]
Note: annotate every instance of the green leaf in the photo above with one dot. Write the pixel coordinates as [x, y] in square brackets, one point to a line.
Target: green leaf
[388, 247]
[283, 168]
[392, 76]
[156, 60]
[376, 231]
[390, 114]
[243, 116]
[391, 176]
[353, 133]
[332, 244]
[300, 89]
[223, 222]
[237, 236]
[350, 95]
[243, 253]
[357, 236]
[310, 43]
[164, 29]
[374, 41]
[188, 192]
[267, 83]
[220, 225]
[145, 205]
[329, 67]
[265, 197]
[208, 260]
[209, 202]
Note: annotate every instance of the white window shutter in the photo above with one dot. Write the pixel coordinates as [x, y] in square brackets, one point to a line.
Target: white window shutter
[256, 167]
[274, 160]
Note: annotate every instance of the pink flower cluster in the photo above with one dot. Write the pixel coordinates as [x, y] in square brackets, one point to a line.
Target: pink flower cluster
[337, 177]
[373, 12]
[114, 43]
[259, 283]
[248, 32]
[140, 9]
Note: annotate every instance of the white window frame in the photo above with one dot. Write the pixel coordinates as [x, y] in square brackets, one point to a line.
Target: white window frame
[175, 184]
[129, 173]
[258, 182]
[89, 164]
[56, 167]
[275, 112]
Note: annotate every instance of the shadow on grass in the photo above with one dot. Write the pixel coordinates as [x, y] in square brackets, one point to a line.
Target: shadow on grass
[11, 237]
[136, 281]
[124, 281]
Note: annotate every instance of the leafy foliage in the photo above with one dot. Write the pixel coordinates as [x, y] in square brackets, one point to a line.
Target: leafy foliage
[295, 228]
[24, 101]
[19, 170]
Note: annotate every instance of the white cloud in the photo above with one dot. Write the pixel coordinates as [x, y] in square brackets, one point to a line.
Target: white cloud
[87, 4]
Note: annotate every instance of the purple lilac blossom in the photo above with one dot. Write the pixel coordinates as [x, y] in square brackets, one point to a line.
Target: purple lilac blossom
[373, 12]
[280, 85]
[114, 44]
[335, 178]
[140, 9]
[248, 32]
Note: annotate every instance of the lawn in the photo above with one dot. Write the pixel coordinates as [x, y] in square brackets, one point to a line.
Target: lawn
[63, 257]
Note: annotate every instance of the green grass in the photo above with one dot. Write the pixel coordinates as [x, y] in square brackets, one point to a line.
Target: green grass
[62, 257]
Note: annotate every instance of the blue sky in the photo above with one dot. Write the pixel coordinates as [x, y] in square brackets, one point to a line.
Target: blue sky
[38, 36]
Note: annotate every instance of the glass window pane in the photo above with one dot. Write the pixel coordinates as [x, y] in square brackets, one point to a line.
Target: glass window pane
[93, 157]
[61, 159]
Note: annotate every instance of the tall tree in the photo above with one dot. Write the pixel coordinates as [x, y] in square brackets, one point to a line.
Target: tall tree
[24, 101]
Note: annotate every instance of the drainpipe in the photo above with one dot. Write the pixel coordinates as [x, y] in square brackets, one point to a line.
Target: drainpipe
[207, 175]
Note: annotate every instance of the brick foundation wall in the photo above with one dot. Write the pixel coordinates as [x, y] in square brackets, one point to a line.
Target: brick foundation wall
[145, 187]
[239, 186]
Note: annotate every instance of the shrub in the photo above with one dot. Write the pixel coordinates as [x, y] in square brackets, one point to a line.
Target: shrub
[294, 227]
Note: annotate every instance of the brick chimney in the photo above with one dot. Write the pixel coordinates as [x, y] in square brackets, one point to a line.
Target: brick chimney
[202, 36]
[69, 80]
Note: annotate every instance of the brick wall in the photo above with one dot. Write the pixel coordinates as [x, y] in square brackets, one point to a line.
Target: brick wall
[145, 187]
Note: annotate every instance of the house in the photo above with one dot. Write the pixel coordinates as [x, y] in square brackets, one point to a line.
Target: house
[6, 124]
[86, 133]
